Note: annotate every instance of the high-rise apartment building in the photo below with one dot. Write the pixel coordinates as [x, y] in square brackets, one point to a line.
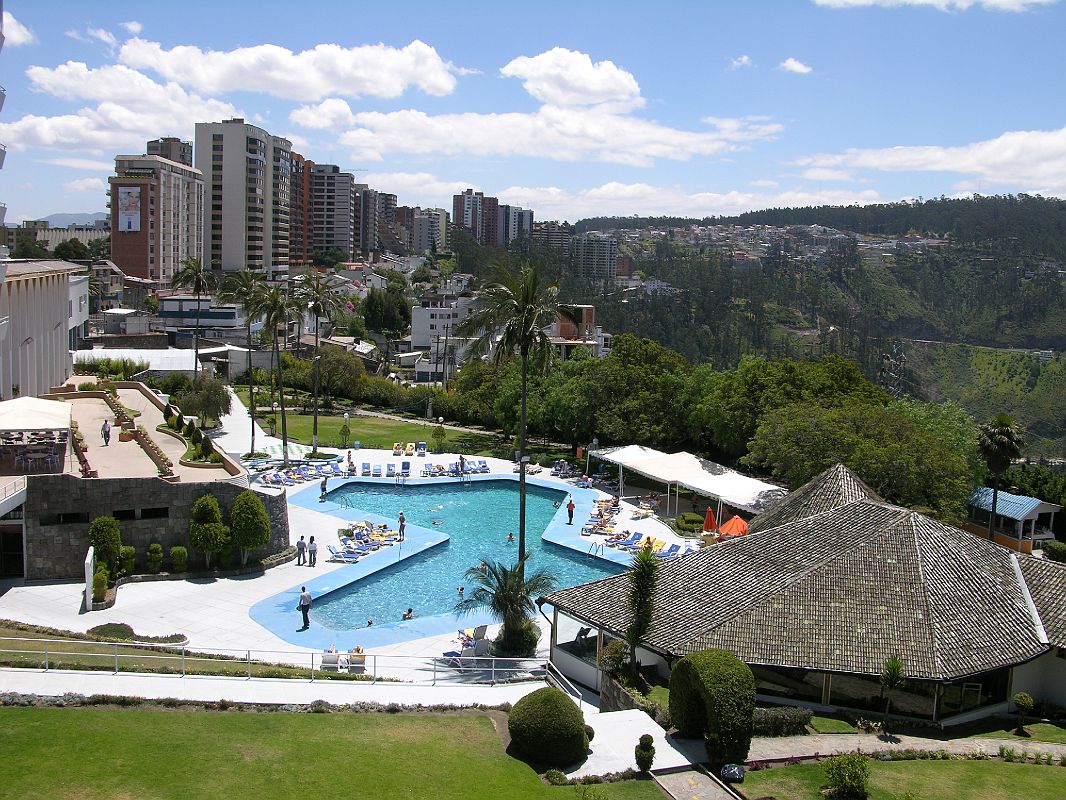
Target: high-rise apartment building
[511, 223]
[429, 230]
[478, 214]
[172, 149]
[246, 207]
[552, 235]
[335, 210]
[377, 218]
[594, 256]
[157, 215]
[301, 233]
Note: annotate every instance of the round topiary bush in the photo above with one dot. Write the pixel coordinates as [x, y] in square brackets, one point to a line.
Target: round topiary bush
[154, 557]
[100, 578]
[547, 728]
[712, 693]
[179, 559]
[644, 753]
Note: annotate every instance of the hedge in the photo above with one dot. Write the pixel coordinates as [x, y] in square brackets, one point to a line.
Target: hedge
[1055, 551]
[154, 557]
[712, 693]
[249, 523]
[547, 728]
[782, 721]
[179, 559]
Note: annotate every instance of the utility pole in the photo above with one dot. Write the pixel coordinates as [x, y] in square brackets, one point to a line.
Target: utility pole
[447, 329]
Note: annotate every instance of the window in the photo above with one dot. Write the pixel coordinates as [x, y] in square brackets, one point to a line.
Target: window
[122, 514]
[65, 518]
[155, 513]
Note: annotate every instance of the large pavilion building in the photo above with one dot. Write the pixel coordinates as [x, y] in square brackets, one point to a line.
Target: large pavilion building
[832, 582]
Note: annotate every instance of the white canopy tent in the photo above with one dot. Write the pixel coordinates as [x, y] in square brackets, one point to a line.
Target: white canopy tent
[34, 414]
[696, 474]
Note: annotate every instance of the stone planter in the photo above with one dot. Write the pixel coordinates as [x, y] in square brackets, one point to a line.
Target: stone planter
[125, 435]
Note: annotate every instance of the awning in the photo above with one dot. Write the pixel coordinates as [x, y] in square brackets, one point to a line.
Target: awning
[1011, 506]
[34, 414]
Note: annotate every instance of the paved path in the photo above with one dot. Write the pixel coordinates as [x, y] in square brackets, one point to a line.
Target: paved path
[770, 748]
[692, 785]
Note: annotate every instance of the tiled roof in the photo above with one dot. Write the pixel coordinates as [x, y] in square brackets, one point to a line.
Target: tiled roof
[835, 487]
[1012, 506]
[840, 591]
[1047, 586]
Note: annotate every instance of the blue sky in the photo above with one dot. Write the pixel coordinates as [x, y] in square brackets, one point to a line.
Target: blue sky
[569, 108]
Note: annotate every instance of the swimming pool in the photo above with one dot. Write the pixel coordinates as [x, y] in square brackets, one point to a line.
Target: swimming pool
[477, 517]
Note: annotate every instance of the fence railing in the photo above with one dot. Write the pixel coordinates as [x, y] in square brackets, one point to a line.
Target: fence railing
[12, 487]
[178, 659]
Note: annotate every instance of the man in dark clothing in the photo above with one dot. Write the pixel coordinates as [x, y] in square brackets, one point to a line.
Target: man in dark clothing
[304, 607]
[301, 552]
[570, 510]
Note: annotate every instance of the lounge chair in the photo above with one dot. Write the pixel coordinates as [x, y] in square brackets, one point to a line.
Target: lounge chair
[330, 662]
[625, 543]
[337, 555]
[365, 470]
[333, 470]
[405, 469]
[390, 470]
[420, 450]
[376, 472]
[409, 450]
[353, 546]
[397, 448]
[482, 465]
[470, 656]
[670, 552]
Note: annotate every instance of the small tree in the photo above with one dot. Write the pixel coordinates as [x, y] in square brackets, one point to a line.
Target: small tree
[643, 576]
[644, 753]
[893, 676]
[106, 538]
[438, 439]
[206, 531]
[249, 523]
[1024, 702]
[847, 775]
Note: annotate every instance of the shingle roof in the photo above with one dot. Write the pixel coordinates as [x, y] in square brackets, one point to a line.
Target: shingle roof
[835, 487]
[840, 591]
[1012, 506]
[1047, 586]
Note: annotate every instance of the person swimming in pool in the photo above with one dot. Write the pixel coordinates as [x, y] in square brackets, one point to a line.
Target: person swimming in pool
[409, 614]
[510, 537]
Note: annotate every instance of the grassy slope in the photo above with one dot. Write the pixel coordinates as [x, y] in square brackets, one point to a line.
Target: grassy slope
[929, 780]
[129, 753]
[1038, 732]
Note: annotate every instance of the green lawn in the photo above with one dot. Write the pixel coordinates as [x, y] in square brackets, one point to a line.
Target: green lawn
[1038, 732]
[123, 753]
[660, 694]
[928, 780]
[831, 725]
[380, 433]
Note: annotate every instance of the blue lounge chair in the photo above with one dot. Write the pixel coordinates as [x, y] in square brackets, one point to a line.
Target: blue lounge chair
[633, 539]
[421, 449]
[482, 465]
[333, 468]
[354, 546]
[365, 471]
[376, 471]
[390, 470]
[670, 552]
[405, 469]
[337, 555]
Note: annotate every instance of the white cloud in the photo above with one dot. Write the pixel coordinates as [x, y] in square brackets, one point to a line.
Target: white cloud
[133, 27]
[15, 33]
[560, 134]
[791, 64]
[423, 187]
[941, 5]
[375, 70]
[85, 185]
[764, 184]
[80, 163]
[1029, 161]
[562, 77]
[740, 61]
[826, 174]
[102, 35]
[131, 108]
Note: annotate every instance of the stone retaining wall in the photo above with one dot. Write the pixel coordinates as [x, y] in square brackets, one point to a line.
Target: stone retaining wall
[57, 551]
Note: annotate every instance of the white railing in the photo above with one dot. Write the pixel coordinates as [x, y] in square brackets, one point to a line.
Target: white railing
[178, 659]
[12, 487]
[555, 676]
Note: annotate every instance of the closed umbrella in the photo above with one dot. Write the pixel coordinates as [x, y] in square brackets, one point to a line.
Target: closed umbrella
[709, 522]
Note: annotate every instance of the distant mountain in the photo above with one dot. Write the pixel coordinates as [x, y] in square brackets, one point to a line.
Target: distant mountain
[83, 218]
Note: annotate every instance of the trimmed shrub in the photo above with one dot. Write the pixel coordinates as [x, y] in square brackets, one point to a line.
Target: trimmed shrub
[1055, 551]
[590, 733]
[112, 630]
[106, 539]
[249, 523]
[127, 554]
[517, 642]
[712, 693]
[783, 721]
[556, 778]
[847, 775]
[644, 753]
[88, 386]
[688, 521]
[206, 531]
[546, 727]
[179, 559]
[154, 558]
[613, 657]
[100, 579]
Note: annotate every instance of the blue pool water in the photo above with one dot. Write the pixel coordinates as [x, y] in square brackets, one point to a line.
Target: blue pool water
[477, 517]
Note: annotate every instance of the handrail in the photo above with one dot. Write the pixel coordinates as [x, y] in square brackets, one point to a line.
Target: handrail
[553, 672]
[6, 490]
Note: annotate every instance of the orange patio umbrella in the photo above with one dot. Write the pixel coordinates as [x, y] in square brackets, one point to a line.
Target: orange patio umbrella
[735, 526]
[709, 522]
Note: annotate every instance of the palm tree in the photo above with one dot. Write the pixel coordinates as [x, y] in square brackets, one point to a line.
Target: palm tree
[893, 677]
[508, 595]
[200, 280]
[320, 300]
[516, 308]
[246, 289]
[643, 577]
[999, 441]
[277, 310]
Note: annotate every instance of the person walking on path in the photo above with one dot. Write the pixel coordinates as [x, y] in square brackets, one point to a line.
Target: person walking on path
[304, 607]
[403, 525]
[105, 432]
[312, 552]
[570, 510]
[301, 552]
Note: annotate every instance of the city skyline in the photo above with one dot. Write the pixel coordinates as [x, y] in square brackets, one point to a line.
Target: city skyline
[570, 111]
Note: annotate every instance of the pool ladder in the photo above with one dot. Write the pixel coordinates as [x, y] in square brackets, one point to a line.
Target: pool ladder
[594, 548]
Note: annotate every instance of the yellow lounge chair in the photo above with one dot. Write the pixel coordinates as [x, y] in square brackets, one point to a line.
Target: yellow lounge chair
[397, 448]
[410, 449]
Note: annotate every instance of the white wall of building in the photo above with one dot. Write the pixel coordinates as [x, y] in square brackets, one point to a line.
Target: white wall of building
[35, 297]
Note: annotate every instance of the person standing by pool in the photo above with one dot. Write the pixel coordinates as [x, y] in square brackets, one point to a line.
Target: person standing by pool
[301, 552]
[325, 482]
[462, 464]
[312, 552]
[570, 510]
[403, 525]
[304, 607]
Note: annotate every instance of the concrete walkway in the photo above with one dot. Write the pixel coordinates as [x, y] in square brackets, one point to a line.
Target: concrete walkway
[779, 748]
[692, 785]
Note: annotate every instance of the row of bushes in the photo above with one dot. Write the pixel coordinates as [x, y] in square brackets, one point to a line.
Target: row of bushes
[1055, 551]
[781, 721]
[153, 559]
[122, 369]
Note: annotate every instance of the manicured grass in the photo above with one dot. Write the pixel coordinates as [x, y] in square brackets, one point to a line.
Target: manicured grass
[1038, 732]
[124, 753]
[831, 725]
[660, 694]
[380, 433]
[929, 780]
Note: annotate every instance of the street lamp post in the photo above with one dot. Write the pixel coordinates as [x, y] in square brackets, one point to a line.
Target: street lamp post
[594, 445]
[314, 402]
[347, 418]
